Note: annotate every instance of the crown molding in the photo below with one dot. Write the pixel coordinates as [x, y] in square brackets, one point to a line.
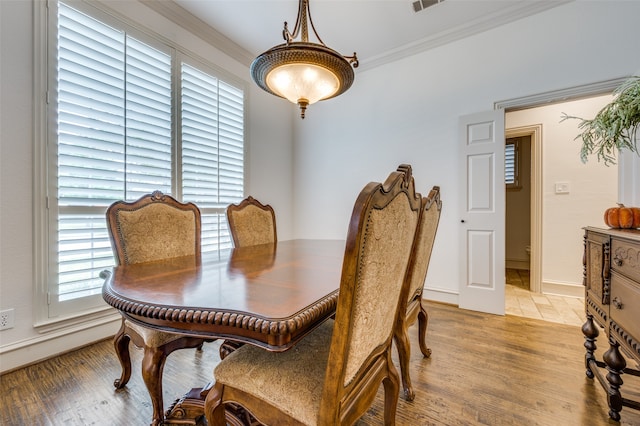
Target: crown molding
[195, 25]
[510, 13]
[563, 95]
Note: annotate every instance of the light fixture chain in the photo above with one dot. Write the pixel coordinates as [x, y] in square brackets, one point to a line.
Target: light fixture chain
[303, 17]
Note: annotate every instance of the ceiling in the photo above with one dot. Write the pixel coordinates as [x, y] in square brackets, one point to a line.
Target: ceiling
[378, 30]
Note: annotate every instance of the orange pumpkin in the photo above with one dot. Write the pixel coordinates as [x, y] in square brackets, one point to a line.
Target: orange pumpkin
[622, 217]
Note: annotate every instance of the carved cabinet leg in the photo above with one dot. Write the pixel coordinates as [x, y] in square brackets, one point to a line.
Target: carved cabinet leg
[590, 331]
[121, 344]
[615, 365]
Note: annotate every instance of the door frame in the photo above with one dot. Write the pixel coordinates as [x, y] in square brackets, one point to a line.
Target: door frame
[535, 261]
[533, 101]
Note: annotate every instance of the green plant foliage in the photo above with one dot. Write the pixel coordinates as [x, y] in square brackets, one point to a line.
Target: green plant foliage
[614, 127]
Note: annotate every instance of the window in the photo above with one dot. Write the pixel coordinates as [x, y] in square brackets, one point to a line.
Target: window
[131, 115]
[511, 158]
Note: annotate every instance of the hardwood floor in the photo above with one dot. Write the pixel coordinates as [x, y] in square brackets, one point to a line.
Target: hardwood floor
[485, 370]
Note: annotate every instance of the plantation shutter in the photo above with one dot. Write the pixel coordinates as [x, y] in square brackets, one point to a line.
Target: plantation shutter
[510, 163]
[212, 150]
[115, 141]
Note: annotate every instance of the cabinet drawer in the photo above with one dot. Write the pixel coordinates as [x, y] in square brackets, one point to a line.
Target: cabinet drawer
[625, 258]
[625, 300]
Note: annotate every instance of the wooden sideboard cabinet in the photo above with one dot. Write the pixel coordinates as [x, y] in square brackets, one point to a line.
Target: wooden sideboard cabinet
[612, 301]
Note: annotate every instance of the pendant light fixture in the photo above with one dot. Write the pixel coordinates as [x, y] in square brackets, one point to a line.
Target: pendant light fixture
[301, 71]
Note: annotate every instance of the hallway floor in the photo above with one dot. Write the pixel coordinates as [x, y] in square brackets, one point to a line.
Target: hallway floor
[523, 303]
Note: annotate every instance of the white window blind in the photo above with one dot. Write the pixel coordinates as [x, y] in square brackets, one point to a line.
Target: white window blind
[115, 124]
[511, 163]
[212, 150]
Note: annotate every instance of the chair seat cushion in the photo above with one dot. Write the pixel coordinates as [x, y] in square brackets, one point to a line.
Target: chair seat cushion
[291, 381]
[151, 337]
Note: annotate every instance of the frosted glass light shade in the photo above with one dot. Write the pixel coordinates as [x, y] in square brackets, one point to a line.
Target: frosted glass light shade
[298, 81]
[303, 73]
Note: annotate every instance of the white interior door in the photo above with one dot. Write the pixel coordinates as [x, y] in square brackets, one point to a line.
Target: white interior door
[482, 220]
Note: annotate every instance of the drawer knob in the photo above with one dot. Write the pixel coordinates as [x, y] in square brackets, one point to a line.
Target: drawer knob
[617, 303]
[617, 261]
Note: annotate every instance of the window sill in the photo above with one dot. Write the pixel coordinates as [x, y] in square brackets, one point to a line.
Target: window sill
[86, 319]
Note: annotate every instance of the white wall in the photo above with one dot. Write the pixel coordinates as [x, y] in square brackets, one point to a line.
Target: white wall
[269, 170]
[407, 111]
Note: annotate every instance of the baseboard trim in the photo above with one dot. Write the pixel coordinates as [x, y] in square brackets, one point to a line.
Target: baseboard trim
[440, 295]
[517, 264]
[38, 348]
[563, 289]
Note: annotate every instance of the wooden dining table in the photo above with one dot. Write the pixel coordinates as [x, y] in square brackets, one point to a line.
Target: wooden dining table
[269, 295]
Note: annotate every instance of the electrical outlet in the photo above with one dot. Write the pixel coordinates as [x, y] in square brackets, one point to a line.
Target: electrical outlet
[7, 319]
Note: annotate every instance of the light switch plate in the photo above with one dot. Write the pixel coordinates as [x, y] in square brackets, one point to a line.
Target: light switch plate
[562, 187]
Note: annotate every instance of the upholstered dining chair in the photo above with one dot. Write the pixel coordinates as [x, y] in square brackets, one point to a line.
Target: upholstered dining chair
[251, 223]
[153, 228]
[412, 304]
[332, 375]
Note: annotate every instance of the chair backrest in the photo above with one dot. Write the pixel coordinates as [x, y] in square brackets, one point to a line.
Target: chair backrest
[425, 237]
[378, 247]
[251, 223]
[154, 227]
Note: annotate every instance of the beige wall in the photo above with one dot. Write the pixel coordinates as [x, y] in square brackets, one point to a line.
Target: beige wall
[592, 187]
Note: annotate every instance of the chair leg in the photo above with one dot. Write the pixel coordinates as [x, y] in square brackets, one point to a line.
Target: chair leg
[423, 321]
[214, 410]
[121, 344]
[227, 347]
[391, 391]
[152, 366]
[404, 354]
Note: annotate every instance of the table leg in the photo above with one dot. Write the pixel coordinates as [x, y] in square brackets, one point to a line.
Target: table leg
[152, 366]
[615, 365]
[121, 345]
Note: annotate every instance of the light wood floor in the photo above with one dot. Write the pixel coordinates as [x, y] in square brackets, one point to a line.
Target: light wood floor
[522, 302]
[485, 370]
